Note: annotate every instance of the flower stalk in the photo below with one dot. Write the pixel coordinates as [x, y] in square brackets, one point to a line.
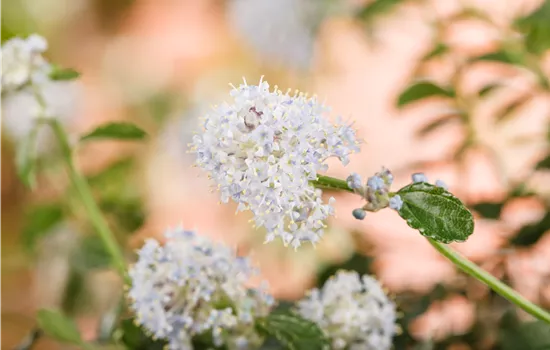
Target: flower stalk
[461, 262]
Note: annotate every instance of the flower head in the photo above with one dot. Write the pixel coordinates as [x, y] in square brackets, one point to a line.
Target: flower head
[193, 286]
[22, 62]
[263, 150]
[419, 177]
[353, 311]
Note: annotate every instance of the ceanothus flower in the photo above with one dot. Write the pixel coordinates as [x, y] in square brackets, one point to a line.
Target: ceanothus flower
[353, 311]
[22, 62]
[191, 286]
[264, 148]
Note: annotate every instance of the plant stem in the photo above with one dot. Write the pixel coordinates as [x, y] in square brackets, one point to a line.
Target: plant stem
[331, 183]
[85, 194]
[495, 284]
[461, 262]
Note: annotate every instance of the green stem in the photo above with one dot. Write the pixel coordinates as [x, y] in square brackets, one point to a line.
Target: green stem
[462, 263]
[85, 194]
[495, 284]
[328, 182]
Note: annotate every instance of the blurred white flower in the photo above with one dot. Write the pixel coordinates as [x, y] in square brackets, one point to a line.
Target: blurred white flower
[353, 311]
[282, 31]
[22, 62]
[263, 150]
[193, 286]
[20, 109]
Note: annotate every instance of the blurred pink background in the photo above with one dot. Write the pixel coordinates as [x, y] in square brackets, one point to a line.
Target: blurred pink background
[188, 48]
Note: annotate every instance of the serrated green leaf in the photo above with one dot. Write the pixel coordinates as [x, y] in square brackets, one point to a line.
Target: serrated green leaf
[293, 331]
[116, 131]
[39, 221]
[58, 73]
[435, 213]
[421, 90]
[488, 89]
[58, 326]
[25, 158]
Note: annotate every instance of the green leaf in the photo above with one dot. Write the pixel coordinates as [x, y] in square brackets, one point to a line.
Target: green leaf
[536, 27]
[438, 50]
[58, 326]
[58, 73]
[530, 234]
[502, 57]
[435, 213]
[293, 331]
[489, 210]
[488, 89]
[134, 338]
[544, 163]
[116, 131]
[526, 336]
[421, 90]
[39, 221]
[376, 8]
[91, 254]
[25, 158]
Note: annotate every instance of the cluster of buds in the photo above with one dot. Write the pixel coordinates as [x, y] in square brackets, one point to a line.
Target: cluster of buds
[376, 192]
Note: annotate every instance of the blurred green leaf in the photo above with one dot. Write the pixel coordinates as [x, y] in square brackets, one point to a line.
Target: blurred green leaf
[421, 90]
[357, 262]
[435, 213]
[544, 163]
[25, 158]
[115, 131]
[530, 234]
[487, 89]
[134, 338]
[75, 296]
[488, 210]
[292, 331]
[91, 254]
[525, 336]
[501, 56]
[437, 123]
[58, 326]
[536, 27]
[438, 50]
[129, 213]
[58, 73]
[376, 8]
[39, 221]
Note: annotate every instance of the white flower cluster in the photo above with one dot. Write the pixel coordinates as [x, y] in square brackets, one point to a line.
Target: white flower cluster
[192, 286]
[22, 62]
[264, 148]
[353, 311]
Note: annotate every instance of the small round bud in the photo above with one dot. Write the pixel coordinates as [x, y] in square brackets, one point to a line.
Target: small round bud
[376, 183]
[354, 181]
[359, 213]
[396, 202]
[441, 184]
[419, 177]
